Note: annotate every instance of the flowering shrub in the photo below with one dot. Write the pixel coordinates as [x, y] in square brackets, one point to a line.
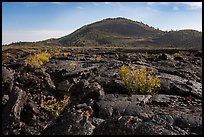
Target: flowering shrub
[139, 80]
[38, 59]
[54, 106]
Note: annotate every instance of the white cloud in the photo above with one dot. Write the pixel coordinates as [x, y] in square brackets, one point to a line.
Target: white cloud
[79, 7]
[152, 10]
[161, 3]
[107, 3]
[31, 35]
[58, 3]
[116, 4]
[33, 4]
[95, 3]
[150, 3]
[175, 8]
[190, 5]
[100, 3]
[113, 4]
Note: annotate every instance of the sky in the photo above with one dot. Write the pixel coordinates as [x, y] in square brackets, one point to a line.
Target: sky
[36, 21]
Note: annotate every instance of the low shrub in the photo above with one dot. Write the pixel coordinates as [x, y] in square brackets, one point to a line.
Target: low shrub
[97, 58]
[38, 59]
[181, 53]
[54, 106]
[139, 80]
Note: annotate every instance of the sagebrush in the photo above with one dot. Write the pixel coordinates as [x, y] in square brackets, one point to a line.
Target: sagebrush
[54, 106]
[38, 59]
[139, 80]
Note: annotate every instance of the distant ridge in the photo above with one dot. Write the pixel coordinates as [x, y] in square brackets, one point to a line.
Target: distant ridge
[122, 32]
[125, 32]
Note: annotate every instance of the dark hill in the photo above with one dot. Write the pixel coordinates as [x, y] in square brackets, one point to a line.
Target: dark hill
[182, 38]
[125, 32]
[116, 31]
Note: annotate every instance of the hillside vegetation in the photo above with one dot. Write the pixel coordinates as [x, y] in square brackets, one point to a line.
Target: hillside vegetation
[124, 32]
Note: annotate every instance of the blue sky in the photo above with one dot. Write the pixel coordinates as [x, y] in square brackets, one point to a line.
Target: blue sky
[34, 21]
